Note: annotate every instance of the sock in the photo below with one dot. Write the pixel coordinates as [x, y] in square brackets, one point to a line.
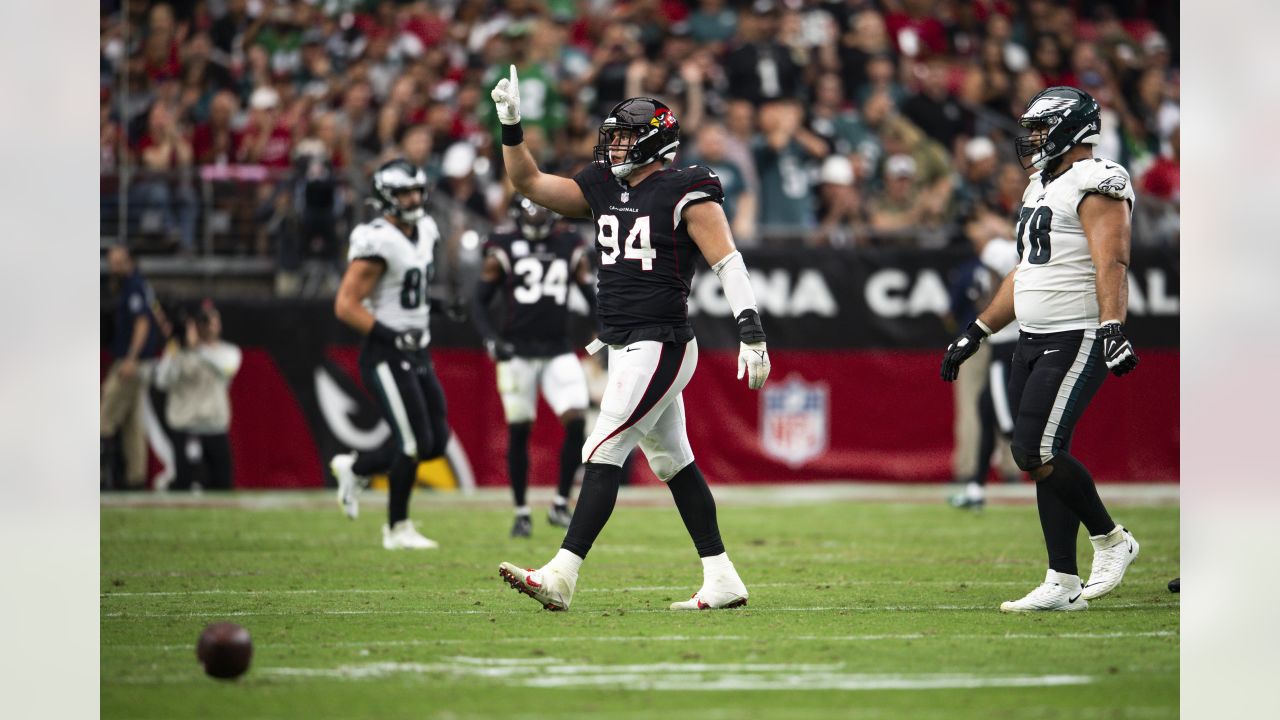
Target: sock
[1060, 527]
[522, 511]
[697, 508]
[1073, 483]
[570, 457]
[401, 478]
[372, 462]
[560, 501]
[518, 460]
[595, 504]
[566, 563]
[713, 565]
[973, 491]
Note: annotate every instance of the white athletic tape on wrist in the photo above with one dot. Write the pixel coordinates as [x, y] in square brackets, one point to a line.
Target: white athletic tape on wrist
[736, 282]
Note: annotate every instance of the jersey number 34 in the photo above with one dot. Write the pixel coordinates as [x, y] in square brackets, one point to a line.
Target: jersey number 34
[636, 246]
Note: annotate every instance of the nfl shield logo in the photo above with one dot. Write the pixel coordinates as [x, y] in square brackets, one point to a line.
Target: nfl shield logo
[793, 428]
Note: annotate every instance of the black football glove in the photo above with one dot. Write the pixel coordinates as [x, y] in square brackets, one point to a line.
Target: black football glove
[960, 349]
[499, 350]
[1117, 349]
[409, 341]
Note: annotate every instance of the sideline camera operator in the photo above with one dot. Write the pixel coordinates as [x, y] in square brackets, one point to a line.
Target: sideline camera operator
[197, 375]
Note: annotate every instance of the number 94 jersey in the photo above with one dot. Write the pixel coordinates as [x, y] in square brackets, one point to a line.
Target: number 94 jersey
[1055, 288]
[536, 279]
[399, 301]
[646, 254]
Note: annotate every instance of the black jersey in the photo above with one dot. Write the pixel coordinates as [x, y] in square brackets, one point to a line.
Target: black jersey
[536, 279]
[646, 254]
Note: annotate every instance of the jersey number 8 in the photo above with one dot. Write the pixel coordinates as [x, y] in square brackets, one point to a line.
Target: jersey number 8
[411, 287]
[636, 247]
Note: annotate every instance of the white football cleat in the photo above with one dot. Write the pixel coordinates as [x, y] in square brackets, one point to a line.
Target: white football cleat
[722, 592]
[404, 536]
[551, 589]
[348, 483]
[1059, 591]
[1112, 554]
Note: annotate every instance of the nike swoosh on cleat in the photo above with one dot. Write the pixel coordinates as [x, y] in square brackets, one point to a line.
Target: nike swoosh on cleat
[1077, 597]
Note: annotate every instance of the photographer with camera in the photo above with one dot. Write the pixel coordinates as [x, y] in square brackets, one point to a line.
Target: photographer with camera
[196, 371]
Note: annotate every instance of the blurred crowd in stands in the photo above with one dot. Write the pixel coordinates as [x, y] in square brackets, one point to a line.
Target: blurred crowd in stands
[249, 127]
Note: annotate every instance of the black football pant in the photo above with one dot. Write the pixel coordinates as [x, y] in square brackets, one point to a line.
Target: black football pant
[413, 405]
[995, 414]
[1052, 380]
[205, 459]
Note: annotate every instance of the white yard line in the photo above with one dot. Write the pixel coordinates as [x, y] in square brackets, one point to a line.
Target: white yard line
[555, 640]
[634, 589]
[675, 676]
[526, 607]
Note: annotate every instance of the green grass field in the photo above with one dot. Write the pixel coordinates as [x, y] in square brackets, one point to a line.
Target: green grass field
[858, 609]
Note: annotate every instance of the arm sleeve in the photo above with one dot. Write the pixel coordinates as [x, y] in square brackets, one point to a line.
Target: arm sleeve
[480, 300]
[733, 275]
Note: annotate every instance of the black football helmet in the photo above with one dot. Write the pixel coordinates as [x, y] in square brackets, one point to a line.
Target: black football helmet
[393, 178]
[533, 220]
[1059, 118]
[650, 122]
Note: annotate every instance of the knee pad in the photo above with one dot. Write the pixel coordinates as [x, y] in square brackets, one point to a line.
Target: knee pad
[1027, 460]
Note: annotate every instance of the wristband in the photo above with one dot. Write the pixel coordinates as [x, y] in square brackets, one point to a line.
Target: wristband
[512, 135]
[750, 330]
[1110, 322]
[982, 326]
[383, 334]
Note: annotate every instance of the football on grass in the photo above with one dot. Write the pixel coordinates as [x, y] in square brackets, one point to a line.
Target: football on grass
[224, 650]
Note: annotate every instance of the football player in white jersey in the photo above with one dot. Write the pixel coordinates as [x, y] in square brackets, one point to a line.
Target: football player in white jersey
[383, 296]
[996, 260]
[1069, 294]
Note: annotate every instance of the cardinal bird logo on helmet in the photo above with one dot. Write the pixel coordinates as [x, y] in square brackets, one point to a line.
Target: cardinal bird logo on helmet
[663, 119]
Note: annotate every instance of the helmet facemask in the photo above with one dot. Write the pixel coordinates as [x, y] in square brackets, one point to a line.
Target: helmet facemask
[533, 220]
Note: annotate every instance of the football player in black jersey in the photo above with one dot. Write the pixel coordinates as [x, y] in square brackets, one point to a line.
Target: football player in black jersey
[652, 221]
[533, 264]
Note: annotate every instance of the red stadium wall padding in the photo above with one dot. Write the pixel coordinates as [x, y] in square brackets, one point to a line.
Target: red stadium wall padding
[835, 415]
[271, 442]
[889, 419]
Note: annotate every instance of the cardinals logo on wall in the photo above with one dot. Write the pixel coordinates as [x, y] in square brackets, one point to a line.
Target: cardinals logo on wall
[795, 419]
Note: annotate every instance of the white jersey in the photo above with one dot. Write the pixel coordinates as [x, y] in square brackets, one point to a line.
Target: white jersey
[1000, 256]
[1055, 288]
[400, 300]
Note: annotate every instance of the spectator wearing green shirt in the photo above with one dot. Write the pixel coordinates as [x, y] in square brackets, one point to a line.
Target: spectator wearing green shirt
[710, 148]
[782, 154]
[541, 107]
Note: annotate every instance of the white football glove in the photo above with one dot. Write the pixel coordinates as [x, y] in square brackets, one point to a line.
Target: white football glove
[753, 359]
[506, 97]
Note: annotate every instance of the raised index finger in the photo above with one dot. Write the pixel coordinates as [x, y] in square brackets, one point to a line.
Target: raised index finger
[514, 80]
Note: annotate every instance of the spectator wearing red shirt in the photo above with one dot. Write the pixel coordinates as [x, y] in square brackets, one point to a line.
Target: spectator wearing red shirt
[160, 49]
[163, 191]
[214, 142]
[265, 140]
[915, 31]
[1161, 180]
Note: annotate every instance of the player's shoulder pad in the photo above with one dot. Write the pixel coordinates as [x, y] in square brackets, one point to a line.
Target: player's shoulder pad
[595, 173]
[694, 184]
[427, 227]
[369, 239]
[1107, 178]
